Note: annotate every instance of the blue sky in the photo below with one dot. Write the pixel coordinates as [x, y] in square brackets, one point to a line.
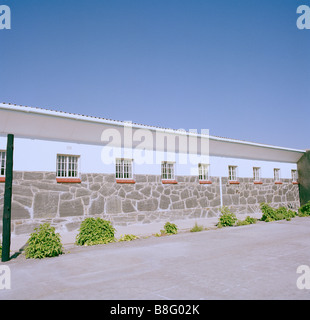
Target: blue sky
[240, 68]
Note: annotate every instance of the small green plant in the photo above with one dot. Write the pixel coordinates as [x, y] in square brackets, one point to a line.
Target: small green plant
[170, 228]
[271, 214]
[128, 237]
[248, 220]
[196, 228]
[44, 242]
[95, 231]
[227, 219]
[304, 210]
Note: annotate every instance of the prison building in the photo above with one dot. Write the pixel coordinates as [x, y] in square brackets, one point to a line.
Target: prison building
[68, 167]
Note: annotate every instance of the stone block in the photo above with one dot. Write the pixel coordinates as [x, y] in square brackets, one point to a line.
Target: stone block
[178, 205]
[127, 206]
[113, 205]
[24, 201]
[33, 176]
[81, 192]
[136, 195]
[18, 211]
[148, 205]
[184, 194]
[25, 228]
[146, 191]
[164, 202]
[69, 208]
[140, 178]
[22, 190]
[97, 206]
[191, 202]
[45, 204]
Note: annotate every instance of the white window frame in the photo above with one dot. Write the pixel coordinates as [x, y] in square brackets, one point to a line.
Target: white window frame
[294, 174]
[124, 169]
[203, 171]
[277, 174]
[257, 174]
[233, 173]
[2, 163]
[168, 170]
[68, 166]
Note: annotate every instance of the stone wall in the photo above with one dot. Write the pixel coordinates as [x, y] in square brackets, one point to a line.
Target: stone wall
[38, 198]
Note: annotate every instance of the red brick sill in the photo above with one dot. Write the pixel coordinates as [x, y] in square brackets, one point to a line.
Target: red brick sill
[234, 182]
[131, 181]
[292, 182]
[68, 180]
[258, 182]
[169, 181]
[2, 179]
[278, 182]
[205, 182]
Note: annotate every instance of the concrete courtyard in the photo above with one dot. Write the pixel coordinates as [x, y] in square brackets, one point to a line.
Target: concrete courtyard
[247, 262]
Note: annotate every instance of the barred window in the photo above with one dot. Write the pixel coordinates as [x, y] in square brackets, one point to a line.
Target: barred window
[276, 173]
[294, 176]
[256, 174]
[67, 166]
[123, 169]
[167, 170]
[203, 171]
[2, 163]
[232, 173]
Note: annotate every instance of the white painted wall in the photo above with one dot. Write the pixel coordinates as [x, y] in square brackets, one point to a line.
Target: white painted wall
[40, 155]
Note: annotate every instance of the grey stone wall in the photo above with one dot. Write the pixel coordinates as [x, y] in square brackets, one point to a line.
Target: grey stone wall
[38, 198]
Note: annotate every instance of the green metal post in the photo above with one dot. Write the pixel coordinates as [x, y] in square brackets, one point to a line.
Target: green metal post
[6, 229]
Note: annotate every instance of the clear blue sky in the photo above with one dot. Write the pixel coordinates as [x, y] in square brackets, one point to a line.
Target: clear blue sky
[239, 68]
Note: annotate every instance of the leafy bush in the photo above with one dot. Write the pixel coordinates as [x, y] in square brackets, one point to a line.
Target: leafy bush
[169, 228]
[128, 237]
[246, 221]
[44, 242]
[304, 211]
[95, 231]
[196, 228]
[227, 219]
[271, 214]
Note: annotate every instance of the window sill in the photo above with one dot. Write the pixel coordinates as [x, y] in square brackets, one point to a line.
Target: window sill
[2, 179]
[258, 182]
[278, 182]
[68, 180]
[205, 182]
[294, 182]
[169, 181]
[233, 182]
[131, 181]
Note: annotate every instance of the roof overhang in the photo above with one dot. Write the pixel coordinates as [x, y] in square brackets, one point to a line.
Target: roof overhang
[36, 123]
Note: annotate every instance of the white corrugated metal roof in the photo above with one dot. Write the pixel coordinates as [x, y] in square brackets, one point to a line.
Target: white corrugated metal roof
[21, 108]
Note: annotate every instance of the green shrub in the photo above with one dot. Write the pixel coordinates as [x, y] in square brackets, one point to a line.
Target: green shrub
[170, 228]
[304, 211]
[271, 214]
[196, 228]
[44, 242]
[227, 219]
[95, 231]
[246, 221]
[128, 237]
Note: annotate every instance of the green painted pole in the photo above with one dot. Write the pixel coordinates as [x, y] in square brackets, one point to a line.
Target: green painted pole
[6, 229]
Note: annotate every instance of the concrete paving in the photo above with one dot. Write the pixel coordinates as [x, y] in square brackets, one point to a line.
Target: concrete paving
[247, 262]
